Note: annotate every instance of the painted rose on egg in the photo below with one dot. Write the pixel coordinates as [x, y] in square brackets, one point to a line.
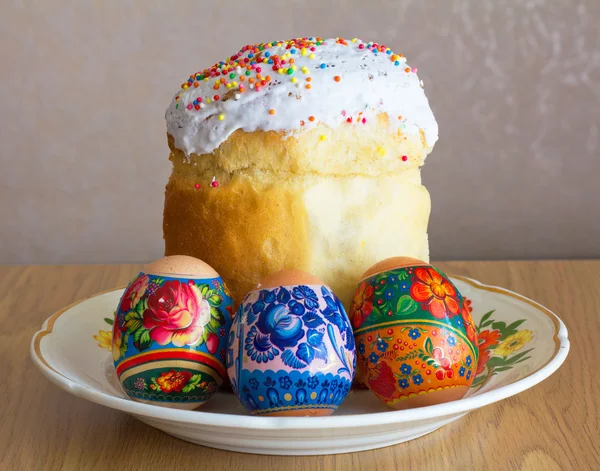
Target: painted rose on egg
[176, 314]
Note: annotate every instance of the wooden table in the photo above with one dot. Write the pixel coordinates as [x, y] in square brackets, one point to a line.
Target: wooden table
[555, 425]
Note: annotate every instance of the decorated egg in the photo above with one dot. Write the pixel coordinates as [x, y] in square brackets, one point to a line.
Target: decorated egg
[416, 341]
[170, 333]
[291, 348]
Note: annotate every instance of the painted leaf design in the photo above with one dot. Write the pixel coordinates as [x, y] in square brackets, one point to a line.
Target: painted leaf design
[350, 344]
[268, 296]
[429, 346]
[305, 352]
[204, 290]
[486, 316]
[124, 342]
[251, 317]
[331, 304]
[141, 306]
[133, 321]
[214, 299]
[314, 337]
[502, 368]
[258, 306]
[141, 339]
[290, 360]
[109, 321]
[283, 296]
[312, 320]
[316, 344]
[214, 324]
[406, 305]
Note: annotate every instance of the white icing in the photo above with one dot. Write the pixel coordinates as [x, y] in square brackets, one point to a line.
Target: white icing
[369, 83]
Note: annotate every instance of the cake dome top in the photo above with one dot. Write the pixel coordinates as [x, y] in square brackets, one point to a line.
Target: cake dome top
[293, 85]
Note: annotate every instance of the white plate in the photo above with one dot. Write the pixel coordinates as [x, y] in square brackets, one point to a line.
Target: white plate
[67, 351]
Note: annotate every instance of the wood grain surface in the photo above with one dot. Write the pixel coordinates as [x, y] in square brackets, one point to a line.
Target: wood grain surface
[553, 426]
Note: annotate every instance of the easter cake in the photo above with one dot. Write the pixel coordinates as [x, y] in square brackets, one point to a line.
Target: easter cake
[299, 154]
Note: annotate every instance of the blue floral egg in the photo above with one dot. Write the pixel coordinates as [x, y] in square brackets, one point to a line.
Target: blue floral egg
[291, 348]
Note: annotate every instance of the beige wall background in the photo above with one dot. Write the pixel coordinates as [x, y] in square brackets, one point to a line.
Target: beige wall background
[515, 87]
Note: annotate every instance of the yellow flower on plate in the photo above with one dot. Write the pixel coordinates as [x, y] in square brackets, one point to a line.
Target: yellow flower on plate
[104, 339]
[513, 343]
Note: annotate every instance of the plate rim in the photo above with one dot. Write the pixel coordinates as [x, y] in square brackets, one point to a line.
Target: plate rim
[199, 417]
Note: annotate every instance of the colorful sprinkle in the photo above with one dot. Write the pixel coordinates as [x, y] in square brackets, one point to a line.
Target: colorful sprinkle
[404, 158]
[214, 183]
[241, 72]
[322, 137]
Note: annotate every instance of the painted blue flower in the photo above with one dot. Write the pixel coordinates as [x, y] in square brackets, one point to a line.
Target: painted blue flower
[451, 341]
[285, 382]
[269, 382]
[325, 384]
[404, 287]
[417, 379]
[373, 281]
[405, 369]
[459, 321]
[259, 347]
[462, 371]
[312, 382]
[361, 348]
[373, 357]
[389, 293]
[469, 375]
[311, 301]
[334, 383]
[381, 345]
[393, 279]
[253, 383]
[414, 334]
[296, 308]
[279, 327]
[403, 383]
[300, 383]
[469, 360]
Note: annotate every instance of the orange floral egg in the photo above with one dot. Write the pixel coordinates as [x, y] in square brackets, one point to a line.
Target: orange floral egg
[415, 339]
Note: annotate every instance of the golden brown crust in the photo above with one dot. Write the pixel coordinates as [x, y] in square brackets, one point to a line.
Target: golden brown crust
[244, 234]
[331, 205]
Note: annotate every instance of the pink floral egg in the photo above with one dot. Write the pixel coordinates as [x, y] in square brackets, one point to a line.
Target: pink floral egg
[170, 333]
